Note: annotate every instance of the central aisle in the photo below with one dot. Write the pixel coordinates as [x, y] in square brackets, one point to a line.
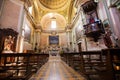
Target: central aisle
[56, 69]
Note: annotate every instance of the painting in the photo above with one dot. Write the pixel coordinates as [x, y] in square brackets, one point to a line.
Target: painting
[106, 23]
[27, 33]
[53, 40]
[78, 33]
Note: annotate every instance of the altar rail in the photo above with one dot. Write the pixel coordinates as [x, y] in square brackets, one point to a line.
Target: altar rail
[20, 66]
[104, 64]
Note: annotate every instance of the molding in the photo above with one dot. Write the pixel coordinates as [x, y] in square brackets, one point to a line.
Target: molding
[54, 10]
[29, 17]
[18, 2]
[75, 19]
[50, 31]
[77, 3]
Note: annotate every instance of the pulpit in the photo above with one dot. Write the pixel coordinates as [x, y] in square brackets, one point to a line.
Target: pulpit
[93, 27]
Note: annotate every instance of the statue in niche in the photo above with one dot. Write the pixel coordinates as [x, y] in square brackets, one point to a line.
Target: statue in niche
[9, 40]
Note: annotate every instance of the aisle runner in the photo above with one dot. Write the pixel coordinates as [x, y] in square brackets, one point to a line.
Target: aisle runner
[55, 69]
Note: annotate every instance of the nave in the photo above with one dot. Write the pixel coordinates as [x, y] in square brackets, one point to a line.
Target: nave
[56, 69]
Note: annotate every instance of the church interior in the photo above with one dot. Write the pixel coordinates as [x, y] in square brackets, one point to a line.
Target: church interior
[59, 39]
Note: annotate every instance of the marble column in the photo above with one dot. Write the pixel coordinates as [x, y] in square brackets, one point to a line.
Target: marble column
[69, 38]
[37, 39]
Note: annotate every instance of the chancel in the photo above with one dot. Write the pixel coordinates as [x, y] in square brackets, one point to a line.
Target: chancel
[59, 39]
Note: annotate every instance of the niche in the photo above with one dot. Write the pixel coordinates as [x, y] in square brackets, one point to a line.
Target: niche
[8, 38]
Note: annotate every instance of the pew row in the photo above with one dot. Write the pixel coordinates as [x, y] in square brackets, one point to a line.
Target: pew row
[100, 65]
[20, 66]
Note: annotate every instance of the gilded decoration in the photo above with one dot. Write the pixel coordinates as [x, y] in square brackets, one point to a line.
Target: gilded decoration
[41, 9]
[53, 4]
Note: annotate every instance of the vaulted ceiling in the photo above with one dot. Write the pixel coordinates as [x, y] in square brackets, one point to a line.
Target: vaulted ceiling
[43, 10]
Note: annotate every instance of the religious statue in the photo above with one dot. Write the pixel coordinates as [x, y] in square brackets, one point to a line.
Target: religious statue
[9, 40]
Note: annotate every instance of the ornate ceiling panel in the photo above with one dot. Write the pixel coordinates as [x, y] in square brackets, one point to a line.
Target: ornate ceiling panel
[53, 4]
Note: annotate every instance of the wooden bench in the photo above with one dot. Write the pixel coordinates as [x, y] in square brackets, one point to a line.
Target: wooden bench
[72, 59]
[112, 59]
[22, 65]
[90, 60]
[111, 65]
[84, 61]
[104, 64]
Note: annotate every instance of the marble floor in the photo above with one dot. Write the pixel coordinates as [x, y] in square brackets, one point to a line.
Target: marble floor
[56, 69]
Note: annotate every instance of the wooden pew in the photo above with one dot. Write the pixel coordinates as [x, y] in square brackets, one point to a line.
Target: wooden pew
[64, 57]
[72, 59]
[23, 65]
[111, 58]
[104, 65]
[111, 65]
[90, 60]
[84, 61]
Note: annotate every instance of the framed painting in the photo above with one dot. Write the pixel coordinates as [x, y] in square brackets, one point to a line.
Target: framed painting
[27, 33]
[106, 23]
[78, 33]
[53, 40]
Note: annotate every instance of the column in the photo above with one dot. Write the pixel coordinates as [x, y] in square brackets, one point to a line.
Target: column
[85, 42]
[69, 37]
[20, 39]
[37, 39]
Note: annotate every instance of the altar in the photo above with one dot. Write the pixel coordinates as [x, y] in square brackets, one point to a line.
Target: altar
[54, 52]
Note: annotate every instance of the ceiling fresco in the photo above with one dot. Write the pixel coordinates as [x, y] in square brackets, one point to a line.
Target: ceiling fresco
[63, 10]
[54, 4]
